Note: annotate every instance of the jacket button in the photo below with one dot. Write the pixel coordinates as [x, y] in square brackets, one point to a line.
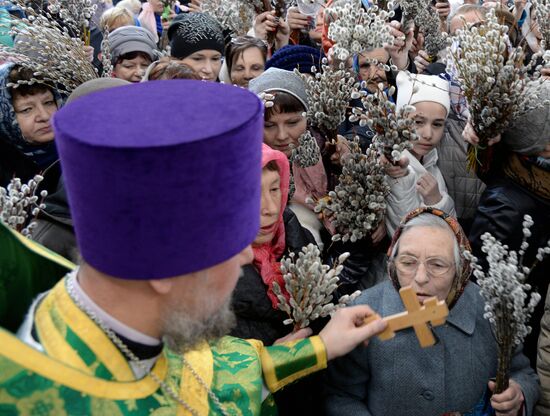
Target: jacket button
[428, 395]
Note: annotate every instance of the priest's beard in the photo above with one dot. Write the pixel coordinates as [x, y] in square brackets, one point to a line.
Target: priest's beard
[183, 332]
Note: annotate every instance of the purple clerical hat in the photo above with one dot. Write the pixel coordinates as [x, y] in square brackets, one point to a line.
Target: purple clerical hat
[163, 177]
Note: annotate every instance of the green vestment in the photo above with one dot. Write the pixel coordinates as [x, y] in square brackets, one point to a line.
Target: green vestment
[82, 372]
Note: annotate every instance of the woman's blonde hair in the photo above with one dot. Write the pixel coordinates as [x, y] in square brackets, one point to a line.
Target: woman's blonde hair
[116, 17]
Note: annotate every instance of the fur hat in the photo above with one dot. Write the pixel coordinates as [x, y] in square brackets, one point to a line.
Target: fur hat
[187, 194]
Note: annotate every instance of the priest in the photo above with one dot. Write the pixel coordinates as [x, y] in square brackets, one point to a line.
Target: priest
[163, 181]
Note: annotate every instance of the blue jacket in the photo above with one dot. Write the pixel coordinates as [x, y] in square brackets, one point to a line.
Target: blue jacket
[398, 377]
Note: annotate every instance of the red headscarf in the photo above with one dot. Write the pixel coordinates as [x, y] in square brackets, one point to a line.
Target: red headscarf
[266, 256]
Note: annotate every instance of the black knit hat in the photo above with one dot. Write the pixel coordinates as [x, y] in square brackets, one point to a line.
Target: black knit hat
[192, 32]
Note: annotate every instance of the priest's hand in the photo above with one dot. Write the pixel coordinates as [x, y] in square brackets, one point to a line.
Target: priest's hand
[346, 330]
[509, 402]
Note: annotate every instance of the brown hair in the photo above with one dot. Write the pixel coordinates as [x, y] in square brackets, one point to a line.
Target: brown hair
[283, 103]
[237, 46]
[169, 68]
[133, 55]
[19, 76]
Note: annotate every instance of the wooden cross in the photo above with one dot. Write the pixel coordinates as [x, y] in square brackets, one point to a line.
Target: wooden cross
[417, 316]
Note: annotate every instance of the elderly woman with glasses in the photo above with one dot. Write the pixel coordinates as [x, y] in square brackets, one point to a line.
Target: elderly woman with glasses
[398, 377]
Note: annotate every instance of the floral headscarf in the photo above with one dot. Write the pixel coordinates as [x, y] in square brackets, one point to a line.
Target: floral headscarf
[459, 282]
[266, 256]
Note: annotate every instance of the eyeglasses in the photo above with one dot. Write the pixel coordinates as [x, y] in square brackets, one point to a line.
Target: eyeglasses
[436, 267]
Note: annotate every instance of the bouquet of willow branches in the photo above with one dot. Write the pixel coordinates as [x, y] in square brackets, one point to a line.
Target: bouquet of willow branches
[358, 203]
[329, 93]
[235, 15]
[56, 58]
[541, 9]
[310, 285]
[395, 130]
[18, 203]
[508, 304]
[354, 29]
[426, 21]
[106, 56]
[494, 81]
[73, 15]
[307, 153]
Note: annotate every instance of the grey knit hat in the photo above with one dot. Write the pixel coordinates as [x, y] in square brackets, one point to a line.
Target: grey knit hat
[530, 133]
[275, 79]
[128, 39]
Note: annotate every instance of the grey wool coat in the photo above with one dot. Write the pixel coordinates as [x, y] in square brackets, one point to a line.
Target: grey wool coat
[398, 377]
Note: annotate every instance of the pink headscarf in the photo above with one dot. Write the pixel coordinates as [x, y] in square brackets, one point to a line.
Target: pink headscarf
[147, 20]
[266, 256]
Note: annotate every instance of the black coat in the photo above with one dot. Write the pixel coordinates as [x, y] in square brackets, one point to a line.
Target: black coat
[256, 317]
[13, 163]
[500, 212]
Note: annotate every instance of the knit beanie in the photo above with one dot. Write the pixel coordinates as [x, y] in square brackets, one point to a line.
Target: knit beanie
[293, 57]
[275, 79]
[530, 132]
[414, 88]
[192, 32]
[128, 39]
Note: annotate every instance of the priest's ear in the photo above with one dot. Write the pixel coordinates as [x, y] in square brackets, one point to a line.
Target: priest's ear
[162, 286]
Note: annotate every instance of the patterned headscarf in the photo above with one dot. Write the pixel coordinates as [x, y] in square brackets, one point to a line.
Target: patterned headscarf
[42, 154]
[459, 282]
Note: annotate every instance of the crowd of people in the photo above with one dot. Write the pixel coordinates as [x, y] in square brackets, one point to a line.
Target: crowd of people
[151, 282]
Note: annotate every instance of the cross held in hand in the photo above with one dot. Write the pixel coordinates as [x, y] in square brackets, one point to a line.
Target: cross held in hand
[417, 316]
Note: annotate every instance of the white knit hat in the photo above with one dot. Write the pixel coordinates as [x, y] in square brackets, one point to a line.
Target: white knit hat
[414, 88]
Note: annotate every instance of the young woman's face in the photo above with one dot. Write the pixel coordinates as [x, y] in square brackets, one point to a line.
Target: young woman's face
[271, 206]
[249, 65]
[429, 120]
[132, 70]
[283, 129]
[33, 114]
[207, 63]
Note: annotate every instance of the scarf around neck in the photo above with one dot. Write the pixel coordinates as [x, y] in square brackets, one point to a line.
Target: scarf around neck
[267, 256]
